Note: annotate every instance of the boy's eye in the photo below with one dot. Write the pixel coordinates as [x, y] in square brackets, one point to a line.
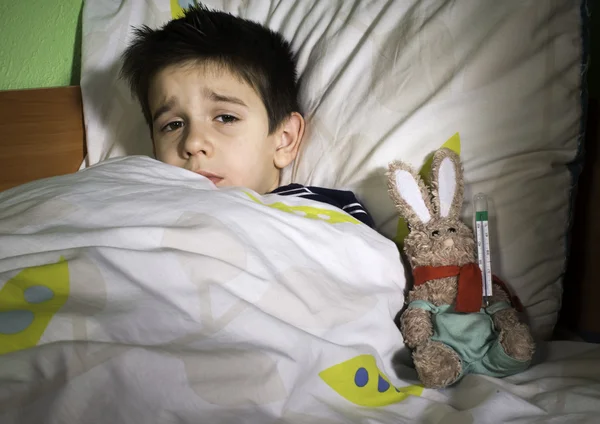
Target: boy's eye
[226, 119]
[172, 126]
[435, 233]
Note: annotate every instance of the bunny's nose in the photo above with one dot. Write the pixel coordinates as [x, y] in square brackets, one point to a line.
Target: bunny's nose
[449, 242]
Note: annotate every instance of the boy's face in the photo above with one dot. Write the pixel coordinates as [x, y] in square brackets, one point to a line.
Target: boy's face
[207, 120]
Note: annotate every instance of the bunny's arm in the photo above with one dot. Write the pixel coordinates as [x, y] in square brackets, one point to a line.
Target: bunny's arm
[515, 336]
[415, 323]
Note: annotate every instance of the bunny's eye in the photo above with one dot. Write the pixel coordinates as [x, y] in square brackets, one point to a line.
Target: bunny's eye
[435, 233]
[451, 230]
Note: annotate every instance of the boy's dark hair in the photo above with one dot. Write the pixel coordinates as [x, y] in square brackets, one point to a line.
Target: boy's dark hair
[261, 57]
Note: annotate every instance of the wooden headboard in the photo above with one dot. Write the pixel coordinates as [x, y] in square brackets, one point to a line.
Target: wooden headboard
[41, 134]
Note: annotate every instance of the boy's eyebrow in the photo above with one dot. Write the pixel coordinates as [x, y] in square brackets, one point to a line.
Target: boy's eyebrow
[216, 97]
[164, 108]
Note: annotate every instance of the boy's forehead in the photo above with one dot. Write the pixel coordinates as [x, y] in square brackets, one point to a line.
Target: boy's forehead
[176, 84]
[204, 78]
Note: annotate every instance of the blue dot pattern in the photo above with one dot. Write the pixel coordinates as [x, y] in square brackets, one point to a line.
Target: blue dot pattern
[38, 294]
[382, 385]
[361, 378]
[13, 322]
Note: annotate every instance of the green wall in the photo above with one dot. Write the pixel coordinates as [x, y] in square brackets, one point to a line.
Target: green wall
[40, 43]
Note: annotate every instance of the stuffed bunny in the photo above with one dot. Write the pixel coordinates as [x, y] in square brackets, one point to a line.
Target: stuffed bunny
[445, 324]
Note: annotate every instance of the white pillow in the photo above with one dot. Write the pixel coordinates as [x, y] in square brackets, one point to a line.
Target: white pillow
[385, 80]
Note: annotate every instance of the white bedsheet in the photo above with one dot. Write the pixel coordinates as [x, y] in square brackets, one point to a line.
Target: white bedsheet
[135, 292]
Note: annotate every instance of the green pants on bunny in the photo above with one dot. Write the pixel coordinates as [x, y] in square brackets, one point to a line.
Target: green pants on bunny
[473, 337]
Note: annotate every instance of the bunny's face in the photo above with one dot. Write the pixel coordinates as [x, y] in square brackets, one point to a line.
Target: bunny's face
[437, 235]
[442, 242]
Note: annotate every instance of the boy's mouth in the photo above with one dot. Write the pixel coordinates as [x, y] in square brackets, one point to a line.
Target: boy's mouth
[213, 177]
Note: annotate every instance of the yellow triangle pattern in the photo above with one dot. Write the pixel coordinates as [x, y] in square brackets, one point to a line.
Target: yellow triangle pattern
[176, 9]
[28, 301]
[359, 380]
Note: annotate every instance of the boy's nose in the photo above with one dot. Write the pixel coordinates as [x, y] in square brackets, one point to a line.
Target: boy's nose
[196, 142]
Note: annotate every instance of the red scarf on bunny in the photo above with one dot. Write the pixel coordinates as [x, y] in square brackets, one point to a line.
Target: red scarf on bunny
[470, 291]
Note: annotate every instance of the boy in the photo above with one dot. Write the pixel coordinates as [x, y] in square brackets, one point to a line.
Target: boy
[219, 94]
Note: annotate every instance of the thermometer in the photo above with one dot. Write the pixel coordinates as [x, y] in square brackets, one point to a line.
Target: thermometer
[483, 244]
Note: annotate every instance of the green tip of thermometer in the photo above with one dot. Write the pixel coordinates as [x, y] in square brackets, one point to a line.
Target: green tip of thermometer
[482, 234]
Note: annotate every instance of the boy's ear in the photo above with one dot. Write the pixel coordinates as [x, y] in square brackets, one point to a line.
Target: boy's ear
[288, 138]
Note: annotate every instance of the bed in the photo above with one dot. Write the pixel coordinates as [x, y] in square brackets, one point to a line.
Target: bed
[113, 309]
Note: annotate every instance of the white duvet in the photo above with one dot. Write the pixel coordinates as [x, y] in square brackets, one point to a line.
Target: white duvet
[136, 292]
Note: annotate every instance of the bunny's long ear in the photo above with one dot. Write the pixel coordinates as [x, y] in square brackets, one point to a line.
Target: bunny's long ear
[447, 185]
[409, 194]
